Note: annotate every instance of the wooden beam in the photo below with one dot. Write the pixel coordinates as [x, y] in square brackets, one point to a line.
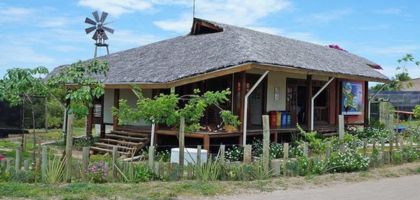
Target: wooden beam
[116, 105]
[308, 100]
[366, 106]
[242, 98]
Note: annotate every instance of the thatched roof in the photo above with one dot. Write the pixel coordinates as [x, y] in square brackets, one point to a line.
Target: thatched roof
[196, 54]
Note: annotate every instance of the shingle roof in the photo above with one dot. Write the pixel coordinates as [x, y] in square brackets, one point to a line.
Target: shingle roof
[190, 55]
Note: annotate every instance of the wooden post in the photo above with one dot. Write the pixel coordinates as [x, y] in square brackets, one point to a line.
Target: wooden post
[69, 147]
[328, 151]
[26, 165]
[305, 149]
[391, 148]
[44, 162]
[285, 157]
[222, 154]
[3, 164]
[18, 159]
[275, 167]
[247, 154]
[151, 157]
[266, 142]
[198, 154]
[365, 143]
[242, 99]
[340, 127]
[382, 151]
[181, 145]
[114, 162]
[8, 164]
[85, 161]
[308, 99]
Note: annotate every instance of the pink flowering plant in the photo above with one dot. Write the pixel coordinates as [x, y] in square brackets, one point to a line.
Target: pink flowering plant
[97, 172]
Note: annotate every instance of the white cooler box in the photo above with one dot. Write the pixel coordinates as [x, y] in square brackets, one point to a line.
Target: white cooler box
[190, 155]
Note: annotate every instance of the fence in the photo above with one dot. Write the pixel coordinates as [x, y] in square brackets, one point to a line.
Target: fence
[379, 151]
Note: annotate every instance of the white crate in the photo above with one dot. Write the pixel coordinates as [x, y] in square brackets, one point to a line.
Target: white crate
[190, 155]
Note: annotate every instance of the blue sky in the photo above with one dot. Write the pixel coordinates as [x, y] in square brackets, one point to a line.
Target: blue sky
[51, 33]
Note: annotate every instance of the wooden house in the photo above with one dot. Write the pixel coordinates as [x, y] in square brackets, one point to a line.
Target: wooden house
[310, 83]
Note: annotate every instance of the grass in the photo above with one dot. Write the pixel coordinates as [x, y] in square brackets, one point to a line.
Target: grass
[189, 189]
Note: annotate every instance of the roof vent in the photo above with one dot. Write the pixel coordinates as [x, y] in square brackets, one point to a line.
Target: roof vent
[204, 27]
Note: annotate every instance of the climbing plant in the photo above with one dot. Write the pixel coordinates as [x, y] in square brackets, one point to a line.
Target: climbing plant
[165, 109]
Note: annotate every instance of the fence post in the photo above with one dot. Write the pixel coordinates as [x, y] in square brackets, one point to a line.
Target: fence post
[26, 165]
[305, 149]
[222, 154]
[341, 131]
[266, 142]
[69, 146]
[8, 164]
[328, 151]
[151, 157]
[247, 154]
[391, 148]
[44, 162]
[275, 167]
[114, 162]
[18, 159]
[365, 143]
[85, 161]
[285, 157]
[198, 154]
[181, 146]
[382, 151]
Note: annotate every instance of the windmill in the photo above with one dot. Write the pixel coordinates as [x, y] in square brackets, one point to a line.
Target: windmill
[98, 25]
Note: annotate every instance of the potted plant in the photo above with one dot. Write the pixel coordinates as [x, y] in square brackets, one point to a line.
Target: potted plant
[230, 121]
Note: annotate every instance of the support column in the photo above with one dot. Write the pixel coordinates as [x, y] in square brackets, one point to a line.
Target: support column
[366, 104]
[242, 98]
[117, 106]
[103, 127]
[89, 123]
[308, 100]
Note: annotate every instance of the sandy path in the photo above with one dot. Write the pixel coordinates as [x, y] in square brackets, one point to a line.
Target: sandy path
[401, 188]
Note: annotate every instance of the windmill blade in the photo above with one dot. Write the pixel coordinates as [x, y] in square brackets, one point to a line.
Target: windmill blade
[108, 29]
[90, 21]
[103, 16]
[90, 29]
[96, 15]
[95, 36]
[104, 36]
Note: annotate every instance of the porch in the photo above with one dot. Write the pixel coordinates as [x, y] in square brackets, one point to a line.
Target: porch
[311, 100]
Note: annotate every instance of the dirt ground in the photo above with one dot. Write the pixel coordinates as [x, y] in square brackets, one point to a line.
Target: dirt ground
[393, 183]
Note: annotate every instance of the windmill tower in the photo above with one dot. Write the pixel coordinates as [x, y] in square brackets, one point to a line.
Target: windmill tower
[98, 25]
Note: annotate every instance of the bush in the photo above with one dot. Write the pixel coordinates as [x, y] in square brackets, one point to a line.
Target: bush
[410, 154]
[348, 161]
[97, 172]
[136, 172]
[234, 153]
[23, 176]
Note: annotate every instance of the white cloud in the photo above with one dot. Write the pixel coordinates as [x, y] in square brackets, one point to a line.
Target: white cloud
[117, 7]
[12, 56]
[14, 14]
[238, 12]
[388, 11]
[325, 17]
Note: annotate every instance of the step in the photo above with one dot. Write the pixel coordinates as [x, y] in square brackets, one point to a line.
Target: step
[110, 146]
[134, 134]
[138, 139]
[114, 141]
[102, 150]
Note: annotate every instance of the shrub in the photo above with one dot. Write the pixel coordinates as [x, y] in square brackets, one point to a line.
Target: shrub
[55, 170]
[348, 161]
[97, 172]
[23, 176]
[136, 172]
[276, 149]
[209, 171]
[234, 153]
[410, 154]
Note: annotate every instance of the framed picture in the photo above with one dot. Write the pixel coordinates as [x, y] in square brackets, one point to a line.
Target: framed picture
[352, 98]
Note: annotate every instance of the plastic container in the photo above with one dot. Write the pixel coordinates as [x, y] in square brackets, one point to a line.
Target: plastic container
[283, 118]
[190, 155]
[273, 119]
[278, 122]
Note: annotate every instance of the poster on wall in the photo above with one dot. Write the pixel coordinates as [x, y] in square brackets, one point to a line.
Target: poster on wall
[352, 98]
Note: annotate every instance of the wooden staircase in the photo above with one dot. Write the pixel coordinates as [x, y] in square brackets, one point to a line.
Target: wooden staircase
[127, 142]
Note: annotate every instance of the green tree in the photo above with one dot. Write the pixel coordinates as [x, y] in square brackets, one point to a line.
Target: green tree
[78, 85]
[401, 77]
[19, 86]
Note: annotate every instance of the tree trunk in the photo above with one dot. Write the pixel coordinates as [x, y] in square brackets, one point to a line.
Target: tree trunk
[34, 136]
